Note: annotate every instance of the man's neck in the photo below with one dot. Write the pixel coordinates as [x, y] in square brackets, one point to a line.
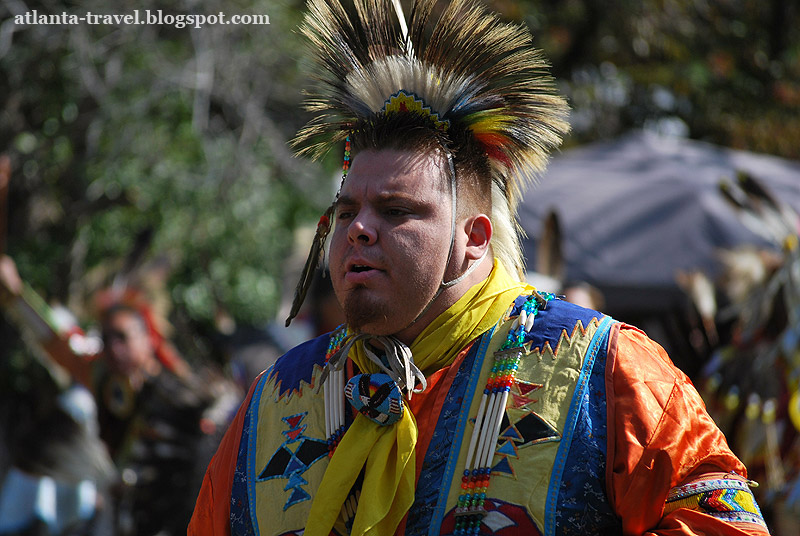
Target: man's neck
[446, 298]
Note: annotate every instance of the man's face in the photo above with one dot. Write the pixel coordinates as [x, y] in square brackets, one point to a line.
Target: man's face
[391, 238]
[127, 344]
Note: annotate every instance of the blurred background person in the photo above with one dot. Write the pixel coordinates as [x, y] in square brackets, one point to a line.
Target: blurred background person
[159, 419]
[57, 469]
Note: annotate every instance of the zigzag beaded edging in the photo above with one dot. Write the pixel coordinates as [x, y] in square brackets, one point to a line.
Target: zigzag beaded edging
[728, 499]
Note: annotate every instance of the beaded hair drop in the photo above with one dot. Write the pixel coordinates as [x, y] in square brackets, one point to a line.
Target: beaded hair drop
[477, 470]
[334, 387]
[318, 245]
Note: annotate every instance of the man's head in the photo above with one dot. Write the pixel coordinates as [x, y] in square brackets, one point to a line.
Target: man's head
[128, 349]
[391, 245]
[456, 87]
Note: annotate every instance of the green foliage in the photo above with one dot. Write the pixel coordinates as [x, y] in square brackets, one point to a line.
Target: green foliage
[726, 72]
[114, 130]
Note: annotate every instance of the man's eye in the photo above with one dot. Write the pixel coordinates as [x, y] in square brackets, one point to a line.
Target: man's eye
[343, 215]
[396, 212]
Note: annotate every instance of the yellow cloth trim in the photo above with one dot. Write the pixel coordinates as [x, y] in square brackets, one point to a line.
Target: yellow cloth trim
[387, 452]
[790, 243]
[794, 409]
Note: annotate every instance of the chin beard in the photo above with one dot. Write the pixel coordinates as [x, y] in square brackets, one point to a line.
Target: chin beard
[361, 312]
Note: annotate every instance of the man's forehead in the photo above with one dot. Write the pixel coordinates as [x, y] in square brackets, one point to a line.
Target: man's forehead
[398, 168]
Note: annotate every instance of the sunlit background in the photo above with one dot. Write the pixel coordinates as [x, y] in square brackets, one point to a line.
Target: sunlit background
[158, 156]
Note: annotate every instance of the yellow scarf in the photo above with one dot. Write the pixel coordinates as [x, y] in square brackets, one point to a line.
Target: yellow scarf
[388, 452]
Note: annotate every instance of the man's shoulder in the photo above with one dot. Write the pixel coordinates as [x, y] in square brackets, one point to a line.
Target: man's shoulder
[557, 317]
[298, 364]
[562, 311]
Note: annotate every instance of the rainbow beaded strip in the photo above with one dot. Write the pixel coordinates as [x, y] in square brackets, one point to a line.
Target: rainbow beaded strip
[727, 498]
[475, 482]
[346, 158]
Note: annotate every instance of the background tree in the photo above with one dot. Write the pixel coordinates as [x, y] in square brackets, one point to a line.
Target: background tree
[174, 135]
[177, 136]
[725, 71]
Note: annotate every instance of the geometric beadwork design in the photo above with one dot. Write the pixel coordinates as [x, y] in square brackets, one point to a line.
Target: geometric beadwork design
[403, 101]
[293, 458]
[298, 367]
[729, 499]
[527, 429]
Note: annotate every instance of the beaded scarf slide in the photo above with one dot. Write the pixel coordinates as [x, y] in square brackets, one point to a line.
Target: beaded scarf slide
[378, 396]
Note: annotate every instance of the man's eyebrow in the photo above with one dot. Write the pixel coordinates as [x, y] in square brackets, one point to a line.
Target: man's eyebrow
[380, 198]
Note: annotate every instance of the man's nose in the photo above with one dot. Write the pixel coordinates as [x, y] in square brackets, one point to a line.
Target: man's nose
[362, 230]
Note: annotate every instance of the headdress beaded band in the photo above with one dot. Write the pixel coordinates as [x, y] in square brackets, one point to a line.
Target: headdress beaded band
[477, 471]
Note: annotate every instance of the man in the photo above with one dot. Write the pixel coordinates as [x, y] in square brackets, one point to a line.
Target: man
[457, 400]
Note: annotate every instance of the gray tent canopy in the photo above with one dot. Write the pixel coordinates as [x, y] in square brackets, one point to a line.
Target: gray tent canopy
[635, 210]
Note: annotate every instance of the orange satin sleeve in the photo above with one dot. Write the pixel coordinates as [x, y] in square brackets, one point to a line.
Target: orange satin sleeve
[660, 436]
[212, 510]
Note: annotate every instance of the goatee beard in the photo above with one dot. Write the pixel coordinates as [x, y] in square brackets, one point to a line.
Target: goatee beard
[360, 310]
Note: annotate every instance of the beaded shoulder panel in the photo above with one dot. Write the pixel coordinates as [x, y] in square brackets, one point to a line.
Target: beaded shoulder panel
[287, 449]
[294, 371]
[545, 402]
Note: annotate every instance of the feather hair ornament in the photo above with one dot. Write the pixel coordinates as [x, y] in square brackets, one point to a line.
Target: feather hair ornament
[467, 71]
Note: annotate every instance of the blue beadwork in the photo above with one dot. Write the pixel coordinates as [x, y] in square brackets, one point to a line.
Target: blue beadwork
[434, 465]
[376, 396]
[240, 515]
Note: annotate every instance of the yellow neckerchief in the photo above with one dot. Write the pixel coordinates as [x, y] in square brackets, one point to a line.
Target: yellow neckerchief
[389, 451]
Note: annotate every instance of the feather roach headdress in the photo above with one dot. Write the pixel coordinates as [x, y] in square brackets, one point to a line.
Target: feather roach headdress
[465, 72]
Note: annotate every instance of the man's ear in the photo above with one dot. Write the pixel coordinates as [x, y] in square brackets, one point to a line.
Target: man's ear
[479, 235]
